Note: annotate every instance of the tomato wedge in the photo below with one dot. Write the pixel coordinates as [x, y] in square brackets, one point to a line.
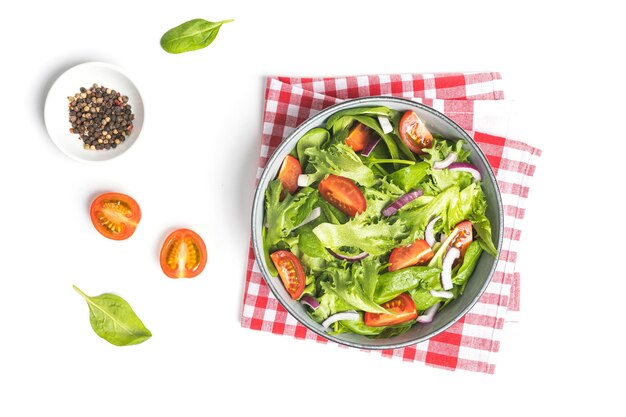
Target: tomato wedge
[403, 308]
[289, 172]
[115, 215]
[359, 137]
[464, 237]
[414, 133]
[417, 253]
[183, 254]
[290, 271]
[343, 193]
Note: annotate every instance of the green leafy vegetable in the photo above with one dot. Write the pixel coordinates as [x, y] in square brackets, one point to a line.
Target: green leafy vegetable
[340, 160]
[483, 229]
[283, 216]
[469, 263]
[348, 285]
[409, 178]
[314, 138]
[191, 35]
[392, 284]
[423, 298]
[373, 238]
[114, 320]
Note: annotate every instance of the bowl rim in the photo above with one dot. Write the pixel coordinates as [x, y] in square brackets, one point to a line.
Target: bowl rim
[257, 205]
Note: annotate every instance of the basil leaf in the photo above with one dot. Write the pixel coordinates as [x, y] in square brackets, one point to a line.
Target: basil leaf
[191, 35]
[114, 320]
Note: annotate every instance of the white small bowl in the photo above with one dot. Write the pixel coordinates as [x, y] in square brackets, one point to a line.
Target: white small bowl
[56, 114]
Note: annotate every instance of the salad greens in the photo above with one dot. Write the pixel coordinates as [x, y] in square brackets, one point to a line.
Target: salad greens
[351, 259]
[191, 35]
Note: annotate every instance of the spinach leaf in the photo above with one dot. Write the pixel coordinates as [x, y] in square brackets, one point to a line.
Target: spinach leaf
[469, 263]
[392, 284]
[191, 35]
[410, 177]
[423, 298]
[310, 245]
[360, 111]
[114, 320]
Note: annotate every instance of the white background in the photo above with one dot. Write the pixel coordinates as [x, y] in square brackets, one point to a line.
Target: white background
[194, 166]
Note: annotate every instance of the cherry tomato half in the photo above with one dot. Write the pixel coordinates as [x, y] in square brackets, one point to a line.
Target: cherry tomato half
[417, 253]
[289, 172]
[414, 133]
[183, 254]
[290, 271]
[343, 193]
[115, 215]
[464, 236]
[403, 308]
[359, 137]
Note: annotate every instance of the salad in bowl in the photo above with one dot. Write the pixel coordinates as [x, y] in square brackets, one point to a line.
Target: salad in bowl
[373, 220]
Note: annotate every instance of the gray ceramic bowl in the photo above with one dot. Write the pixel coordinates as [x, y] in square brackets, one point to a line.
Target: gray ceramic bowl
[437, 123]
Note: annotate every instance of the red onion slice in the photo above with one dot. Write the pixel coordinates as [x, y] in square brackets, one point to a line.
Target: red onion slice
[310, 301]
[303, 180]
[429, 234]
[446, 162]
[344, 315]
[441, 294]
[369, 147]
[446, 273]
[428, 314]
[392, 208]
[315, 213]
[354, 258]
[466, 167]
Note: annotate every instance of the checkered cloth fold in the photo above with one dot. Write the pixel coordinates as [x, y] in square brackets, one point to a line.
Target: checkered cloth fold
[476, 102]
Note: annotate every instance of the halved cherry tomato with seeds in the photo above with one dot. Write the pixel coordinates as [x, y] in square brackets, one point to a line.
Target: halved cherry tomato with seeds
[414, 133]
[343, 193]
[359, 137]
[402, 307]
[115, 215]
[290, 271]
[289, 172]
[464, 237]
[417, 253]
[183, 254]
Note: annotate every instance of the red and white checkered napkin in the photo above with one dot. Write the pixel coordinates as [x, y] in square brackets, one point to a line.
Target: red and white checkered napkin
[476, 102]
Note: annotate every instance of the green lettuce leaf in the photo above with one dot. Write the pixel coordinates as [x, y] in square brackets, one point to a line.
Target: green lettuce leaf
[423, 298]
[282, 216]
[483, 229]
[419, 217]
[348, 284]
[314, 138]
[340, 160]
[371, 236]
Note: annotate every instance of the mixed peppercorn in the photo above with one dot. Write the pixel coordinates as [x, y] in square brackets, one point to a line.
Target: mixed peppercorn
[100, 116]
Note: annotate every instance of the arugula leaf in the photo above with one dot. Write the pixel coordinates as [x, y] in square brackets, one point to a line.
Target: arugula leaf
[341, 160]
[392, 284]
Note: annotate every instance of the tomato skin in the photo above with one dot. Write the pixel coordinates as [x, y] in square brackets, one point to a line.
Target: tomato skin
[289, 172]
[359, 137]
[183, 254]
[403, 306]
[417, 253]
[343, 193]
[115, 215]
[414, 133]
[464, 236]
[290, 271]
